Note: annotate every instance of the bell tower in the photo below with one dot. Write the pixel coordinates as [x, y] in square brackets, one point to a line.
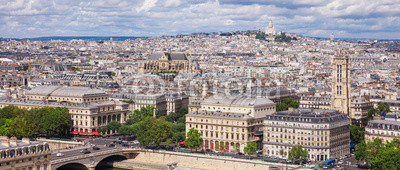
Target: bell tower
[341, 83]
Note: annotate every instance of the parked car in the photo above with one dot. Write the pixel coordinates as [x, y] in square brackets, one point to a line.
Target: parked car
[217, 151]
[96, 148]
[86, 152]
[208, 150]
[111, 145]
[240, 153]
[83, 150]
[60, 154]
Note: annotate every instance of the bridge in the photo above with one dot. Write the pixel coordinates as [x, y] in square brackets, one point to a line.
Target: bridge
[108, 156]
[89, 161]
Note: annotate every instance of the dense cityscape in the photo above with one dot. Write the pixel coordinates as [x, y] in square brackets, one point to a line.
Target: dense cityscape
[256, 99]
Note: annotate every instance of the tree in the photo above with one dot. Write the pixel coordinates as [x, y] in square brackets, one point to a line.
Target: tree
[12, 111]
[182, 119]
[182, 111]
[282, 152]
[361, 152]
[128, 129]
[383, 108]
[114, 126]
[138, 115]
[153, 131]
[371, 113]
[56, 121]
[357, 133]
[172, 117]
[297, 153]
[179, 136]
[193, 140]
[250, 148]
[20, 128]
[287, 102]
[5, 125]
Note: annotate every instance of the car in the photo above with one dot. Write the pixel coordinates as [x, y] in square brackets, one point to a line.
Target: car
[60, 154]
[83, 150]
[240, 153]
[86, 152]
[208, 150]
[111, 145]
[340, 162]
[325, 167]
[95, 148]
[217, 151]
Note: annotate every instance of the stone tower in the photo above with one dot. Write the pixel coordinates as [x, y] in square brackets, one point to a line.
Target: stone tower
[341, 83]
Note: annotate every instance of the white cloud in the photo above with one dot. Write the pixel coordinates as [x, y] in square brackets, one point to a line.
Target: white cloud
[147, 5]
[152, 17]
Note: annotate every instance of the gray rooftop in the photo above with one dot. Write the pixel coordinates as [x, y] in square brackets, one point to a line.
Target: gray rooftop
[236, 100]
[308, 116]
[224, 115]
[64, 91]
[171, 56]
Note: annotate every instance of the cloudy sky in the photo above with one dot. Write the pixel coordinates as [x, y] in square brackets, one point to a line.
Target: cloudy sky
[376, 19]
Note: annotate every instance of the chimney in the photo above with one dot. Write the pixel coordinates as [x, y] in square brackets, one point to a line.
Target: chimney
[13, 141]
[26, 140]
[5, 142]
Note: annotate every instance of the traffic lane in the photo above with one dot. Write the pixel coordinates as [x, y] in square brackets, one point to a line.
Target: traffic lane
[78, 152]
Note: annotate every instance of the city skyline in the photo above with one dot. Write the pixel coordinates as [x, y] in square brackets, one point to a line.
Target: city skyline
[347, 19]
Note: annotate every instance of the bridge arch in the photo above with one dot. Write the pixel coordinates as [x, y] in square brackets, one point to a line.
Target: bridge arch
[108, 161]
[74, 165]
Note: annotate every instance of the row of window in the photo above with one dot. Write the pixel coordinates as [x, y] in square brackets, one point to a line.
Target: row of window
[217, 127]
[232, 136]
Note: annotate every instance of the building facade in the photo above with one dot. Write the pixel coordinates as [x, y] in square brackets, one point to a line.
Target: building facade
[229, 123]
[359, 111]
[324, 134]
[159, 62]
[24, 154]
[90, 109]
[386, 129]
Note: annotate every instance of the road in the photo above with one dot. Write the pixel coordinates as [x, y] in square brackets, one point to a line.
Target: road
[77, 151]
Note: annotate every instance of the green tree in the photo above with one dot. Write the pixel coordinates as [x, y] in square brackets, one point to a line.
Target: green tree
[371, 113]
[282, 152]
[182, 119]
[182, 111]
[172, 117]
[383, 108]
[297, 153]
[361, 152]
[128, 129]
[152, 131]
[193, 140]
[114, 126]
[138, 115]
[56, 122]
[357, 133]
[20, 128]
[178, 136]
[12, 111]
[287, 102]
[5, 125]
[250, 148]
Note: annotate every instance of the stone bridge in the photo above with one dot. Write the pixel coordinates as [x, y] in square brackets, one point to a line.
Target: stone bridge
[90, 161]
